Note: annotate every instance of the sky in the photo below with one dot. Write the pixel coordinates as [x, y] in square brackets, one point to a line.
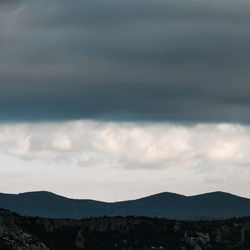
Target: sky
[115, 100]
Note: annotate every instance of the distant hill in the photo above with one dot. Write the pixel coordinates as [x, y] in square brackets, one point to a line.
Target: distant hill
[214, 205]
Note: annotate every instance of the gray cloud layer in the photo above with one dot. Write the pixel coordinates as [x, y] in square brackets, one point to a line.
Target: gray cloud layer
[125, 60]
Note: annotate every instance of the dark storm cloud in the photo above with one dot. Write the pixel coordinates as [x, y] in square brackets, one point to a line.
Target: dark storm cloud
[8, 5]
[125, 60]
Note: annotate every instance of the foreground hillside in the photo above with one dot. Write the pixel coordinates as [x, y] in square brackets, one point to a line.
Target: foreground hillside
[108, 233]
[216, 205]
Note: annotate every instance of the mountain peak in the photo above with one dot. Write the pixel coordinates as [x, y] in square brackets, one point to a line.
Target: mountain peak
[217, 194]
[164, 195]
[40, 194]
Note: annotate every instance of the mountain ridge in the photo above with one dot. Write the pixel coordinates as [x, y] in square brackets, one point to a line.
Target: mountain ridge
[213, 205]
[143, 197]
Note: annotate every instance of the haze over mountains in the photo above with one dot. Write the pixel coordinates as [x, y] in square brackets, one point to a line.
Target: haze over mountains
[213, 205]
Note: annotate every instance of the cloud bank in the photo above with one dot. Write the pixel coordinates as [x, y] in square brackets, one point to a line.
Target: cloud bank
[129, 145]
[131, 61]
[117, 161]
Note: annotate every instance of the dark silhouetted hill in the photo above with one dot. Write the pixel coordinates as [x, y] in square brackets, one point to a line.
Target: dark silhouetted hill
[214, 205]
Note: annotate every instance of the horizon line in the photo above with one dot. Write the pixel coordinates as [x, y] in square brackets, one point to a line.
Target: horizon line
[141, 197]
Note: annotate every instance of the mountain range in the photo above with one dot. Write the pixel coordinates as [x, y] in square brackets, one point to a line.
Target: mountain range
[215, 205]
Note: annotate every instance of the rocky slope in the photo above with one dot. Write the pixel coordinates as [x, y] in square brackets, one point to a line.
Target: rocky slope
[107, 233]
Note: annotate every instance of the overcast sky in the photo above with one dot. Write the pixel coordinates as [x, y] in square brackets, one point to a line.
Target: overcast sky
[119, 99]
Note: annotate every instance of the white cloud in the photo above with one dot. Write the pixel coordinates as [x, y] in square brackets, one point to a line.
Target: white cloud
[129, 145]
[62, 143]
[103, 160]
